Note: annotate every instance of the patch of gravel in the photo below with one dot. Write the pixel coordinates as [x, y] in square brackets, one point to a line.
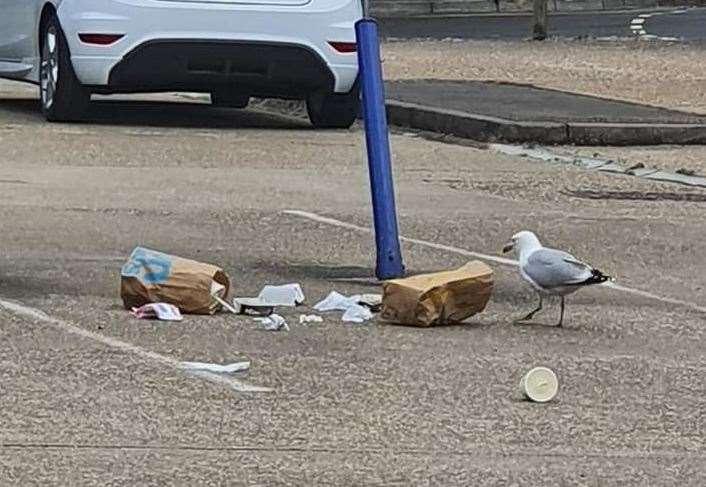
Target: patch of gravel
[575, 188]
[684, 159]
[290, 108]
[660, 74]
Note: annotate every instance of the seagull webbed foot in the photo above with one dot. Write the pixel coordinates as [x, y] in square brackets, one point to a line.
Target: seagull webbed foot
[531, 314]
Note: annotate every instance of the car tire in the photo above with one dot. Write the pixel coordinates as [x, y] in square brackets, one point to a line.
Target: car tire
[61, 94]
[333, 110]
[229, 99]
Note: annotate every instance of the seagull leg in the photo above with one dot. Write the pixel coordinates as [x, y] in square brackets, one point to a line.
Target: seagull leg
[561, 317]
[534, 311]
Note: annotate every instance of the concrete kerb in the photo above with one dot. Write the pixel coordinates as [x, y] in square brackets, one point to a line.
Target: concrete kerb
[492, 129]
[473, 126]
[636, 133]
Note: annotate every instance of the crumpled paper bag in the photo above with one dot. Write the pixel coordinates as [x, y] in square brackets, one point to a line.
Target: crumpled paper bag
[150, 276]
[439, 298]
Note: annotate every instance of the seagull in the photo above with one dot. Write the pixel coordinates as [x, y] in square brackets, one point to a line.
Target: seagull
[551, 272]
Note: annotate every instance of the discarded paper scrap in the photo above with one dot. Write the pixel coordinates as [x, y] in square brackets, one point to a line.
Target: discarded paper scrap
[285, 295]
[157, 311]
[372, 301]
[353, 310]
[151, 277]
[270, 296]
[357, 314]
[216, 368]
[439, 298]
[336, 302]
[274, 323]
[310, 319]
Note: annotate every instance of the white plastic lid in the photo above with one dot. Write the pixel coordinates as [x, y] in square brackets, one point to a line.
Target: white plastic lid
[540, 384]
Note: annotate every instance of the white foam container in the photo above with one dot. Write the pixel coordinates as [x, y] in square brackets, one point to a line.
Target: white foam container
[539, 385]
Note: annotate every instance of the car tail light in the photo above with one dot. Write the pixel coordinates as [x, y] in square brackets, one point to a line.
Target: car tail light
[344, 47]
[100, 39]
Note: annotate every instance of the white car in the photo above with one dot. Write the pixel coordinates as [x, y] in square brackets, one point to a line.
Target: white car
[232, 49]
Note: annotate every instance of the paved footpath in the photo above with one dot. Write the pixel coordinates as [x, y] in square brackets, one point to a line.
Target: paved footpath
[484, 110]
[90, 396]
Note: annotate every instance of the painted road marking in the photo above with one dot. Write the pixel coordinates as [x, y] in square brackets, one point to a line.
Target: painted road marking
[487, 257]
[38, 315]
[637, 26]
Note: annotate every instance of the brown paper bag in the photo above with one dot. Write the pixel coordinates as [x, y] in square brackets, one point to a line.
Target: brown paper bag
[153, 277]
[438, 298]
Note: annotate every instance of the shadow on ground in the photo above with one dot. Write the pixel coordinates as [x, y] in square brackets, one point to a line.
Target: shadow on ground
[161, 114]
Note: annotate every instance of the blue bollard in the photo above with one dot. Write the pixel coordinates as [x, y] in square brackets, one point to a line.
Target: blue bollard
[389, 257]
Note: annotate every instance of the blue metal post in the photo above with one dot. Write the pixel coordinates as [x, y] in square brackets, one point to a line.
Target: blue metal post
[387, 241]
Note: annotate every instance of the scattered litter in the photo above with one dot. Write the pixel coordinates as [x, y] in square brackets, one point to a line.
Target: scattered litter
[372, 301]
[269, 297]
[216, 368]
[539, 385]
[357, 314]
[274, 322]
[159, 311]
[218, 292]
[439, 298]
[225, 305]
[252, 306]
[337, 302]
[286, 295]
[354, 312]
[310, 319]
[149, 276]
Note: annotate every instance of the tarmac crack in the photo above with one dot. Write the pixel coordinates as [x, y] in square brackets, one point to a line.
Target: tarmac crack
[637, 195]
[628, 455]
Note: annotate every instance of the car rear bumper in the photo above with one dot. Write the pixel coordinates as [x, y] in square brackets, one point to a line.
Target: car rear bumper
[257, 69]
[162, 41]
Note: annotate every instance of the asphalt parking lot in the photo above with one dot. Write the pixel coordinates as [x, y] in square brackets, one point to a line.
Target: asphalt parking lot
[91, 396]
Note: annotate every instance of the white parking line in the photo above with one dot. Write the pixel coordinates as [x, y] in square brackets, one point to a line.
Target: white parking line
[351, 226]
[637, 26]
[487, 257]
[38, 315]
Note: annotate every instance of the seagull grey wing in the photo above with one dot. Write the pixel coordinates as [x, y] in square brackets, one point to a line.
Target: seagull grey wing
[551, 268]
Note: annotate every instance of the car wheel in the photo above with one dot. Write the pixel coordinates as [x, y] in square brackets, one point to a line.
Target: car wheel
[332, 110]
[63, 98]
[229, 99]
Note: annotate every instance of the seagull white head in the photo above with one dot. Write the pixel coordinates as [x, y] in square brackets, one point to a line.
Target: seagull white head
[523, 240]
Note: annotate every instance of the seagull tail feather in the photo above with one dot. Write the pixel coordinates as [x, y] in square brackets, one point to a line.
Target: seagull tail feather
[597, 277]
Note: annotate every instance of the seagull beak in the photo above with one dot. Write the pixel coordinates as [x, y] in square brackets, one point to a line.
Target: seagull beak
[508, 247]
